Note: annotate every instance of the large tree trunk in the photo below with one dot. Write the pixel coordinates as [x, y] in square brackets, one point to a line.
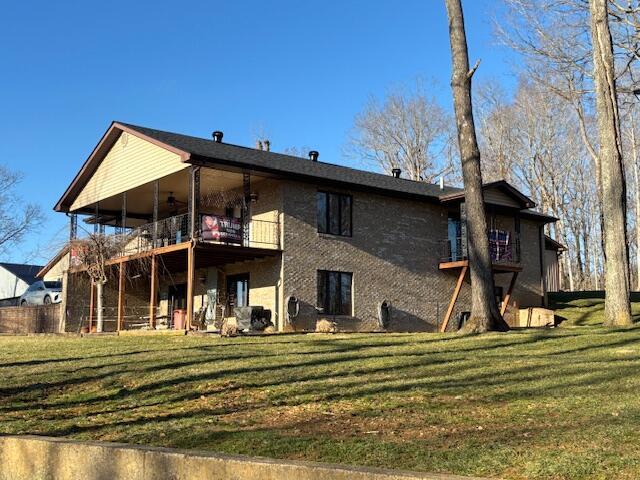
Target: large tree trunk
[614, 197]
[485, 315]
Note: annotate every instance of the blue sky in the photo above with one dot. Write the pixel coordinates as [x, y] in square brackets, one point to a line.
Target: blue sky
[296, 70]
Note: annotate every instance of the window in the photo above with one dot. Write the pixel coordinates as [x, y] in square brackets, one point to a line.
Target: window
[334, 213]
[238, 290]
[334, 292]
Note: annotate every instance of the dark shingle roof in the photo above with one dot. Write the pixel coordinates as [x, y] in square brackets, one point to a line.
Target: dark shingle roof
[208, 150]
[27, 273]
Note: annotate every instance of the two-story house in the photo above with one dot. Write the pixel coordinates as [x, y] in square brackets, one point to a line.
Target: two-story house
[220, 226]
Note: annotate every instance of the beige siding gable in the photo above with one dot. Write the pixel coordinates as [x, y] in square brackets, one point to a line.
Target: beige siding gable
[497, 197]
[131, 162]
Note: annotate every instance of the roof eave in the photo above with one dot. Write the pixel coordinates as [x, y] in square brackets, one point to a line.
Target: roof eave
[502, 184]
[208, 161]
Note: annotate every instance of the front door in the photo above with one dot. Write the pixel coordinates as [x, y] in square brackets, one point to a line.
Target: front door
[237, 291]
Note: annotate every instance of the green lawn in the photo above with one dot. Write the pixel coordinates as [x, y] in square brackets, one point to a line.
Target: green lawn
[560, 403]
[577, 309]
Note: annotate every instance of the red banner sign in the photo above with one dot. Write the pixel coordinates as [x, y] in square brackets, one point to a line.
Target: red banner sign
[221, 229]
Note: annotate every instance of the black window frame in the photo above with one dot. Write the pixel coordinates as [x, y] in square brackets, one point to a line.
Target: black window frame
[334, 306]
[324, 224]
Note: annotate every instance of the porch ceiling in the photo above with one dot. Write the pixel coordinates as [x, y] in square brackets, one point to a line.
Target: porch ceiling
[140, 199]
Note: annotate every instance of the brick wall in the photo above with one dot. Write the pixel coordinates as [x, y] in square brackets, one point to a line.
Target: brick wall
[393, 254]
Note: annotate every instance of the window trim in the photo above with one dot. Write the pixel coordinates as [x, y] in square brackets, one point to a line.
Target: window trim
[327, 213]
[326, 292]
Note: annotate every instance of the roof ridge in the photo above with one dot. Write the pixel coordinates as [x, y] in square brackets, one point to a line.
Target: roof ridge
[269, 152]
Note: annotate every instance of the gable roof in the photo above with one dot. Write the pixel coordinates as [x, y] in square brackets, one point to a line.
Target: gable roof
[551, 244]
[52, 263]
[27, 273]
[202, 151]
[502, 185]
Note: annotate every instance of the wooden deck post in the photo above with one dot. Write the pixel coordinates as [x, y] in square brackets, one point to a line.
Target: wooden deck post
[507, 297]
[121, 295]
[154, 294]
[454, 297]
[190, 283]
[91, 304]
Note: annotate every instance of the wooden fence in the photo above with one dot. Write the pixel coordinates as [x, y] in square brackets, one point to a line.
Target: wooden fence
[34, 319]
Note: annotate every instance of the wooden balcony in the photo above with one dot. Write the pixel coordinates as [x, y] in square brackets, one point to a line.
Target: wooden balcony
[504, 250]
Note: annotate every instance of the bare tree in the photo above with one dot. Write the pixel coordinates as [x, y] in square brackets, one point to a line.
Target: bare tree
[614, 196]
[485, 315]
[16, 217]
[554, 37]
[93, 252]
[633, 163]
[528, 140]
[409, 131]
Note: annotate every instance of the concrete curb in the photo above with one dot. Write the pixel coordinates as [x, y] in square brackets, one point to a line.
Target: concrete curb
[27, 457]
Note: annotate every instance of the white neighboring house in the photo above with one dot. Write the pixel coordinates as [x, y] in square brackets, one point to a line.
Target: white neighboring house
[15, 278]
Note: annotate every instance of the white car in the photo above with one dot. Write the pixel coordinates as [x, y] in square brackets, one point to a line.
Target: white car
[42, 293]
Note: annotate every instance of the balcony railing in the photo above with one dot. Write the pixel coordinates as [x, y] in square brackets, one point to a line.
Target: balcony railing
[214, 229]
[504, 247]
[168, 231]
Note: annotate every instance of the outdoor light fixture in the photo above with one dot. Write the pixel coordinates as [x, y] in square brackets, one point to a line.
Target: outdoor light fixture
[253, 197]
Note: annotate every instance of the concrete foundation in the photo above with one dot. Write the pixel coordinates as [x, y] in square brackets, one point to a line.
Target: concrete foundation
[24, 457]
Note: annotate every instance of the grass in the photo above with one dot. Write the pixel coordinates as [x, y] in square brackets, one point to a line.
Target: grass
[552, 404]
[577, 309]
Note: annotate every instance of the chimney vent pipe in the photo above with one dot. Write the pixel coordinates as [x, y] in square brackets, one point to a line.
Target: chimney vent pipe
[396, 172]
[217, 136]
[313, 156]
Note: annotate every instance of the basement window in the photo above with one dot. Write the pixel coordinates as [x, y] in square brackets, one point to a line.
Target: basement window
[335, 292]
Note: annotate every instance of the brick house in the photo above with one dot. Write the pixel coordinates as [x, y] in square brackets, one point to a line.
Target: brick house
[223, 226]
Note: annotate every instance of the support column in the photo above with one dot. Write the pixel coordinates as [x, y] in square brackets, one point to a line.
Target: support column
[246, 209]
[121, 287]
[123, 219]
[96, 227]
[156, 194]
[507, 297]
[193, 205]
[454, 297]
[190, 283]
[73, 227]
[154, 293]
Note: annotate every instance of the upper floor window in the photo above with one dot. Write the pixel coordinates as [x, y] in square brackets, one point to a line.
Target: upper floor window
[334, 213]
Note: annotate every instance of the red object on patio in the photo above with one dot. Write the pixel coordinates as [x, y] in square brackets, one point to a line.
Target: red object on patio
[179, 319]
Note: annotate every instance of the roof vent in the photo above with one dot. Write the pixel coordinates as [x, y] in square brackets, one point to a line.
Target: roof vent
[313, 156]
[396, 172]
[217, 136]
